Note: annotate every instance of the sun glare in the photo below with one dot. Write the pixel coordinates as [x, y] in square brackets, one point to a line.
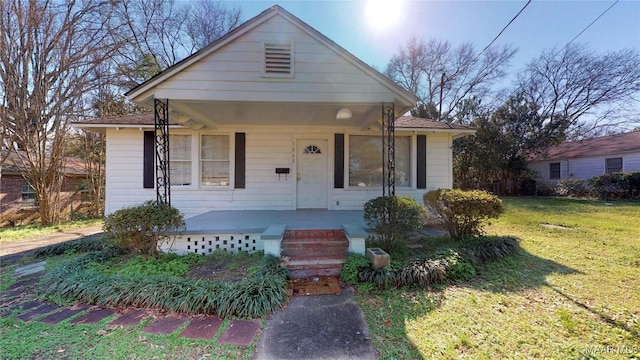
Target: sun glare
[383, 14]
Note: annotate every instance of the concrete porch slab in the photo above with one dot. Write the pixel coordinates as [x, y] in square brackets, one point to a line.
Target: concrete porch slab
[257, 221]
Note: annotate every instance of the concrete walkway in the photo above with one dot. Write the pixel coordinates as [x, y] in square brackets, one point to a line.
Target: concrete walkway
[317, 327]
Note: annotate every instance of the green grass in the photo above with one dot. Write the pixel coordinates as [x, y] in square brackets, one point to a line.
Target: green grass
[11, 234]
[569, 293]
[99, 341]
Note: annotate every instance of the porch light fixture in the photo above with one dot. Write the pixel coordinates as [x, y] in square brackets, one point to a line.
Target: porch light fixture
[343, 114]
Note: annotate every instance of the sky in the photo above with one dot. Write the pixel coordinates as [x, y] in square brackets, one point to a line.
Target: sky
[542, 25]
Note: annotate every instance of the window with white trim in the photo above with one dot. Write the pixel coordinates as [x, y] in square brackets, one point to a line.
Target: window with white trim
[180, 160]
[613, 165]
[365, 161]
[214, 160]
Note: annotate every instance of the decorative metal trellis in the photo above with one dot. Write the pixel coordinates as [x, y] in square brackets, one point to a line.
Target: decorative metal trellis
[161, 132]
[388, 150]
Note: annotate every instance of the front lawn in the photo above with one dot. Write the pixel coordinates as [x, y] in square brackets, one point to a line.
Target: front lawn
[16, 233]
[571, 292]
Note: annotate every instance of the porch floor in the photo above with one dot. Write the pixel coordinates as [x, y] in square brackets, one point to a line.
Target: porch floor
[257, 221]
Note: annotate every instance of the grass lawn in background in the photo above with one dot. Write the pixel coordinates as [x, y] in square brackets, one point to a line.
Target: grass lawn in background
[12, 234]
[572, 292]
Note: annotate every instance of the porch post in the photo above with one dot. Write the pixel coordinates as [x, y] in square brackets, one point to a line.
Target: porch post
[161, 132]
[388, 150]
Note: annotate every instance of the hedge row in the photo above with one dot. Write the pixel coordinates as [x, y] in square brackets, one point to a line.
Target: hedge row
[608, 186]
[250, 298]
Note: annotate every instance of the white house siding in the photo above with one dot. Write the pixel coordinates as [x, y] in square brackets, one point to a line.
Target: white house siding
[585, 168]
[235, 72]
[267, 147]
[124, 170]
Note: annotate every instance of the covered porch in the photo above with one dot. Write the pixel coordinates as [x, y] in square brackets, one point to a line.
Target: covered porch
[256, 230]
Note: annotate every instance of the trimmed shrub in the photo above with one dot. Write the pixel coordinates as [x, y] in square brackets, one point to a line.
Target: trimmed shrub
[143, 228]
[392, 217]
[573, 188]
[463, 212]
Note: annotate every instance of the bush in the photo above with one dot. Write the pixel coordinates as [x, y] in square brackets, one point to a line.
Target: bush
[463, 212]
[458, 267]
[616, 186]
[141, 229]
[424, 273]
[573, 188]
[490, 248]
[392, 217]
[353, 265]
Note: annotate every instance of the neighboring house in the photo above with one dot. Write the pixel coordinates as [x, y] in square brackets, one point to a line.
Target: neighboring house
[584, 159]
[273, 116]
[18, 201]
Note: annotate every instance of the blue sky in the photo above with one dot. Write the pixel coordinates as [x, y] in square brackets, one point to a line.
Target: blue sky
[542, 25]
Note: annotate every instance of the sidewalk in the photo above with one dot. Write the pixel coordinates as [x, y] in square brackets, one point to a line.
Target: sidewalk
[15, 250]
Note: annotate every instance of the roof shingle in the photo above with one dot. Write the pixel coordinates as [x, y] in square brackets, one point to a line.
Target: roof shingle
[599, 146]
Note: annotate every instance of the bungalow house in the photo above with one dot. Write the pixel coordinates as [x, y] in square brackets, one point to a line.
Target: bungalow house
[584, 159]
[18, 200]
[276, 126]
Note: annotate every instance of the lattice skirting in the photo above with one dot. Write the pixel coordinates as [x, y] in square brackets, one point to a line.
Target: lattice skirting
[207, 243]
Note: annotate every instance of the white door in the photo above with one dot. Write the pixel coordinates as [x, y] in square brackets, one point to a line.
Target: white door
[312, 174]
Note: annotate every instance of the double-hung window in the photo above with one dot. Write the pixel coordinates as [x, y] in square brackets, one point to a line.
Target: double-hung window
[554, 171]
[365, 161]
[29, 196]
[613, 165]
[214, 160]
[180, 160]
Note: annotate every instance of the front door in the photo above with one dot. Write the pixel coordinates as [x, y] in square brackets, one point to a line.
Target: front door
[312, 174]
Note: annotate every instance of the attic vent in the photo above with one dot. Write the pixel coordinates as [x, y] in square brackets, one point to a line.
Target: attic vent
[278, 59]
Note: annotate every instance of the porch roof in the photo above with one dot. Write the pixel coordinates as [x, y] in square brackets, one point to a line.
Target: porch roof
[257, 221]
[407, 123]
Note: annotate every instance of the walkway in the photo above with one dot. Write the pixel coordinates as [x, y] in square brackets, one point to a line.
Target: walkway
[309, 327]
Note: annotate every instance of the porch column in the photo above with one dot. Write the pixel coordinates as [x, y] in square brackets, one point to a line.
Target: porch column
[388, 150]
[161, 132]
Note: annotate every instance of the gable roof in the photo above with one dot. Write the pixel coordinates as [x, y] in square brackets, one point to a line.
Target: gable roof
[275, 10]
[599, 146]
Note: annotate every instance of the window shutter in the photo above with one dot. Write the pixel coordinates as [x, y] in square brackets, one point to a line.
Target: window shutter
[240, 163]
[338, 171]
[148, 162]
[422, 162]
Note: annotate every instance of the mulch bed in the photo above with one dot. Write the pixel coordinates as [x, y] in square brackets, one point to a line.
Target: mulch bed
[324, 285]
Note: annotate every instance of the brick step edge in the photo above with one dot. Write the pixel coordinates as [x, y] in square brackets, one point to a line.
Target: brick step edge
[308, 273]
[314, 262]
[313, 240]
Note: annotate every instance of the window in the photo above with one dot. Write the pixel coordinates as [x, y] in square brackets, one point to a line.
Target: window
[554, 171]
[613, 165]
[180, 160]
[365, 161]
[278, 59]
[29, 196]
[214, 160]
[312, 149]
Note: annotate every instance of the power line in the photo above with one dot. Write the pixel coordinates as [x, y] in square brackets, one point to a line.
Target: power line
[503, 29]
[587, 27]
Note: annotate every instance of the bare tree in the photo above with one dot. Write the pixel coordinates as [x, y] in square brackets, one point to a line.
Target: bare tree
[159, 33]
[48, 51]
[584, 91]
[443, 76]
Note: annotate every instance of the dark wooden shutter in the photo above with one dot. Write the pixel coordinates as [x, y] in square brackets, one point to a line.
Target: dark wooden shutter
[338, 171]
[240, 161]
[422, 162]
[148, 163]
